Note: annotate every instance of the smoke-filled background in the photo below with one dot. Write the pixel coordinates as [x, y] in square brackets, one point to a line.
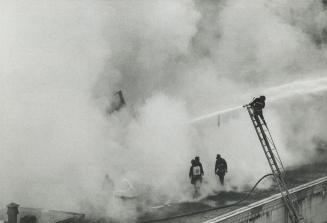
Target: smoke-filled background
[174, 60]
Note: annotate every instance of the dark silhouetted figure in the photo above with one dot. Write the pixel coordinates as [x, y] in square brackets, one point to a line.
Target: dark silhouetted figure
[257, 105]
[108, 183]
[196, 171]
[108, 186]
[117, 102]
[192, 172]
[195, 174]
[197, 162]
[220, 168]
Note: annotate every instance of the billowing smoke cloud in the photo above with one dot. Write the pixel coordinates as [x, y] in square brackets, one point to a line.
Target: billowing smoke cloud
[173, 60]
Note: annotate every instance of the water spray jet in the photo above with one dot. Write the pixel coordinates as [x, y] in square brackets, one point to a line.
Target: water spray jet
[281, 92]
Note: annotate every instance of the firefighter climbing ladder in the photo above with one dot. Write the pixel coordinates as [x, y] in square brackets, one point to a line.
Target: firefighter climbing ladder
[276, 165]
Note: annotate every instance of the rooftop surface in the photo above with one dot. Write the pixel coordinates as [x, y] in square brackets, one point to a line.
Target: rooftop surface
[189, 211]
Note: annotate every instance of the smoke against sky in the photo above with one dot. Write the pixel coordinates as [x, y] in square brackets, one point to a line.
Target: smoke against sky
[174, 60]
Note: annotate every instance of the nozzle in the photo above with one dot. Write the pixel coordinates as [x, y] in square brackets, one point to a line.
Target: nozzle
[245, 106]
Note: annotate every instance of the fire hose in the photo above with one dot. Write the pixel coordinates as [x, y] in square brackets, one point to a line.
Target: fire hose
[208, 209]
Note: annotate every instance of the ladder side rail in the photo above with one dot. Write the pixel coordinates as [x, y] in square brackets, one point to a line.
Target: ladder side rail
[273, 143]
[277, 174]
[269, 155]
[269, 149]
[292, 196]
[272, 147]
[263, 139]
[283, 185]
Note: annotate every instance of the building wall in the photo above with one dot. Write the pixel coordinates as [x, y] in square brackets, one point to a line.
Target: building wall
[312, 199]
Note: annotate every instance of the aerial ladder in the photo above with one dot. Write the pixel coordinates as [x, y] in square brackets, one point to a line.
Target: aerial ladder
[276, 165]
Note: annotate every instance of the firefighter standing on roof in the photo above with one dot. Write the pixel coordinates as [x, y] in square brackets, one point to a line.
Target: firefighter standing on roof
[220, 168]
[196, 171]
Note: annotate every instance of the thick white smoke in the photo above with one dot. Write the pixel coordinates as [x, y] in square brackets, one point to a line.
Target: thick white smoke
[173, 60]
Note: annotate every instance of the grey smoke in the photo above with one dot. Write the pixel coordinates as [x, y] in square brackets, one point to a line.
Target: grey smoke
[174, 60]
